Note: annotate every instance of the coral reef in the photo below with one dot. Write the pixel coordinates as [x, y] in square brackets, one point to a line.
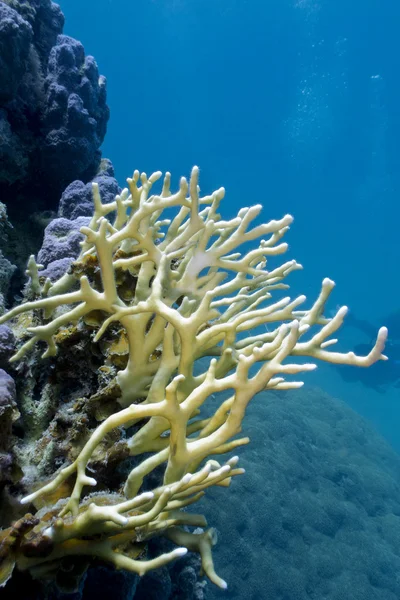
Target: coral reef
[75, 114]
[52, 100]
[62, 237]
[61, 240]
[318, 513]
[157, 338]
[53, 117]
[8, 414]
[7, 268]
[76, 200]
[7, 345]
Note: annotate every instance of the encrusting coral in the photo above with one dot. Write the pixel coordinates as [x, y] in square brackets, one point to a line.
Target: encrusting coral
[190, 316]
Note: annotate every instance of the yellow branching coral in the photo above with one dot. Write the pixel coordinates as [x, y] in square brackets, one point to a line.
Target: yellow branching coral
[194, 296]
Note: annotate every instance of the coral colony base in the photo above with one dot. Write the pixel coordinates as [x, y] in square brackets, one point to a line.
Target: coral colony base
[166, 279]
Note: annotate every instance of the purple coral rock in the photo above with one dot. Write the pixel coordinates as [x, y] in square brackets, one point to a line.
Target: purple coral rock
[7, 344]
[76, 114]
[8, 405]
[13, 158]
[7, 392]
[47, 22]
[15, 40]
[61, 240]
[76, 201]
[57, 268]
[8, 413]
[53, 111]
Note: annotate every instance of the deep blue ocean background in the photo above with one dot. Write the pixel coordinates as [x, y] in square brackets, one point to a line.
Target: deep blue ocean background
[291, 103]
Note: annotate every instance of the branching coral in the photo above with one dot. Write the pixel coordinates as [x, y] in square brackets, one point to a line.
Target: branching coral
[199, 319]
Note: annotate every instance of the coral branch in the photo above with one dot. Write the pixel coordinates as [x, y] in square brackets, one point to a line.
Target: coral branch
[171, 280]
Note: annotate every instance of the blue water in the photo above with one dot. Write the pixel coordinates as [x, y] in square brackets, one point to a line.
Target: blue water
[291, 103]
[294, 104]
